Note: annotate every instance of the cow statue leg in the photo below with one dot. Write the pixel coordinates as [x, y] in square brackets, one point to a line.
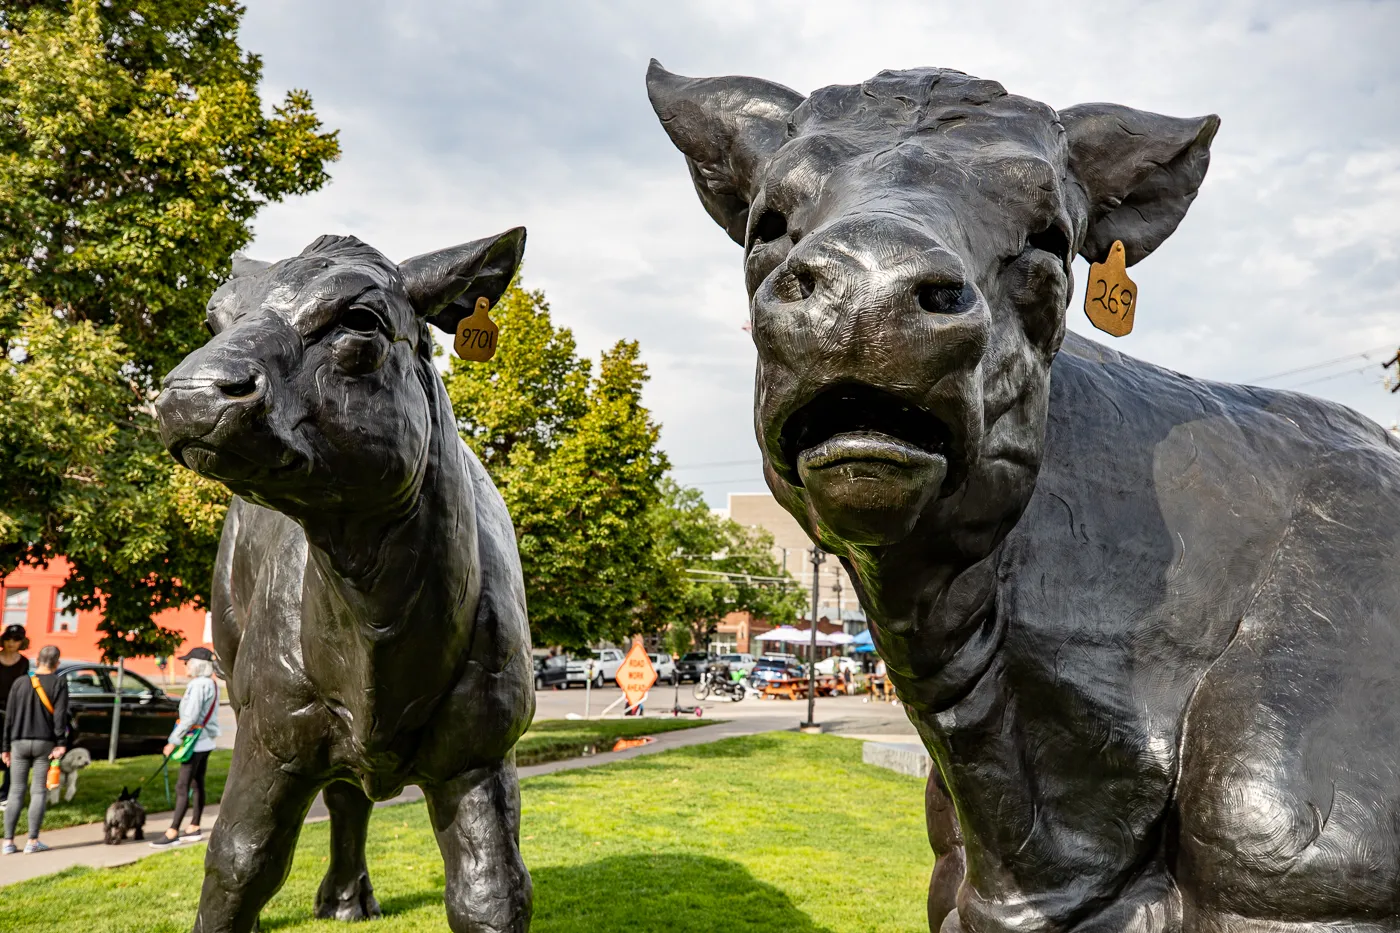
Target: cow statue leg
[345, 892]
[251, 848]
[476, 817]
[945, 837]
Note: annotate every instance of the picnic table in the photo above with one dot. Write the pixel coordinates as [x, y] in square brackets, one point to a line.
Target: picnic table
[793, 688]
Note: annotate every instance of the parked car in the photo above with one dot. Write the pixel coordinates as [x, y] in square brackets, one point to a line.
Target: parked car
[604, 663]
[770, 668]
[739, 662]
[665, 668]
[691, 667]
[837, 663]
[551, 672]
[148, 712]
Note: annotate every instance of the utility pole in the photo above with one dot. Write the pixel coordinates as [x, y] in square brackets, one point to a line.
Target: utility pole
[1393, 361]
[818, 556]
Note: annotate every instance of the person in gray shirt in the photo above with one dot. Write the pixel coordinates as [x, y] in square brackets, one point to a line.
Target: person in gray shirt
[199, 709]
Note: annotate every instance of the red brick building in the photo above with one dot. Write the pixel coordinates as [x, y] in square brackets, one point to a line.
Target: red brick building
[30, 597]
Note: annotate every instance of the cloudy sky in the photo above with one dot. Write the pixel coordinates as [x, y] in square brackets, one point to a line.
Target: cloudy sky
[459, 119]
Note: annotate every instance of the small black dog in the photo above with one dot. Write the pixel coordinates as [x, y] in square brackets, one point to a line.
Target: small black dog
[126, 814]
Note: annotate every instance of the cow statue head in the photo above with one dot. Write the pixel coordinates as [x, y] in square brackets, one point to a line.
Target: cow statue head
[317, 392]
[907, 247]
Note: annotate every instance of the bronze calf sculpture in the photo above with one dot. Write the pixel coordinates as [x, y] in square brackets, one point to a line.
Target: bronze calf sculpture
[1146, 625]
[368, 599]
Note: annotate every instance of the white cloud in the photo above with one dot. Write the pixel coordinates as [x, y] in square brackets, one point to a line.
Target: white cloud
[460, 120]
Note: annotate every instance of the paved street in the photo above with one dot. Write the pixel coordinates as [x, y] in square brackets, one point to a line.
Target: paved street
[847, 716]
[852, 716]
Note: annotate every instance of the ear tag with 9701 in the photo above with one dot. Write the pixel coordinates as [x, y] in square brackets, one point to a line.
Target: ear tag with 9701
[476, 335]
[1111, 297]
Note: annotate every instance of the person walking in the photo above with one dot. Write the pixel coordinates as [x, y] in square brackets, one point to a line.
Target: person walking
[36, 726]
[13, 666]
[199, 716]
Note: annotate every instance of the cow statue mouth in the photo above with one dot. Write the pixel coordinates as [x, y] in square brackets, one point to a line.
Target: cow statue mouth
[241, 470]
[869, 461]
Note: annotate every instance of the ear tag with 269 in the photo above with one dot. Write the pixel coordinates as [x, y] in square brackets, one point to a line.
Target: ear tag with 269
[1111, 297]
[476, 335]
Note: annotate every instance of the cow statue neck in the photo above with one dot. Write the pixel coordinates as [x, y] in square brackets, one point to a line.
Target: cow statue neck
[1143, 623]
[368, 599]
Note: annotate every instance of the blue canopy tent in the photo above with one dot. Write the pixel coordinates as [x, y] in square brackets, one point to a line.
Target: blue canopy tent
[863, 642]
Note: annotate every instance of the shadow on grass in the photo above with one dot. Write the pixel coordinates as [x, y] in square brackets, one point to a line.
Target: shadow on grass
[297, 915]
[668, 893]
[661, 894]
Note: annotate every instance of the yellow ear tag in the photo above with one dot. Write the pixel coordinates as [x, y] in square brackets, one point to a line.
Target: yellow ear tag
[476, 335]
[1111, 297]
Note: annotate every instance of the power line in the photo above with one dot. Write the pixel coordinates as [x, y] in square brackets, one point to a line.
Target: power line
[1324, 363]
[1345, 372]
[717, 463]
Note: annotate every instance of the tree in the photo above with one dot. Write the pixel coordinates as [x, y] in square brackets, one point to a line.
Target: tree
[604, 538]
[712, 566]
[575, 458]
[134, 153]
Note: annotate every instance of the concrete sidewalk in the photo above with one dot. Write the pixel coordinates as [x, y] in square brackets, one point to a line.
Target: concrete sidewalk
[82, 845]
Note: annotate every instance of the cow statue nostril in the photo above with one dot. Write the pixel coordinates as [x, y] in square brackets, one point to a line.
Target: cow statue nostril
[941, 297]
[241, 389]
[806, 284]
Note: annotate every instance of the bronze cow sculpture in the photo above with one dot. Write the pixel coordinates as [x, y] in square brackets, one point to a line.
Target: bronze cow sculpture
[1147, 625]
[368, 600]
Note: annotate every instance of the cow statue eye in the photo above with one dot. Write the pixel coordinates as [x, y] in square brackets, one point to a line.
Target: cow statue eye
[361, 320]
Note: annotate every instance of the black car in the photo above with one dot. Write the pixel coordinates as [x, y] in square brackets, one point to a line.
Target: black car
[692, 666]
[148, 712]
[551, 672]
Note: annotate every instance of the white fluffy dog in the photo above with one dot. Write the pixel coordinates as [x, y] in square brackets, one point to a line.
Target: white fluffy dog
[74, 761]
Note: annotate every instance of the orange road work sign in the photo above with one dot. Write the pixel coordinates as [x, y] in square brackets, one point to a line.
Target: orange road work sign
[636, 675]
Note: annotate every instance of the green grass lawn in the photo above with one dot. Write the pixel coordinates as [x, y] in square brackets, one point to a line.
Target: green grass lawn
[100, 783]
[548, 740]
[779, 833]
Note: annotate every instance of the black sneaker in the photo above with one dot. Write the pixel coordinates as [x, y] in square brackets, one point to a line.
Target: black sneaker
[163, 841]
[195, 836]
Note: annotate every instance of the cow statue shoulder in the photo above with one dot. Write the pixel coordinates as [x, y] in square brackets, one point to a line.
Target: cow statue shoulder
[1146, 625]
[368, 602]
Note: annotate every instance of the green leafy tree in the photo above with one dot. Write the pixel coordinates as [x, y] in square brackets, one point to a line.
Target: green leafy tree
[575, 457]
[134, 153]
[606, 541]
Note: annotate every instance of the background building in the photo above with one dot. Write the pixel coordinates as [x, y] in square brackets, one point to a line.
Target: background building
[30, 598]
[839, 607]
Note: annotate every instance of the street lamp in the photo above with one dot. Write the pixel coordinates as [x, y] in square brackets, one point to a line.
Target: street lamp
[818, 556]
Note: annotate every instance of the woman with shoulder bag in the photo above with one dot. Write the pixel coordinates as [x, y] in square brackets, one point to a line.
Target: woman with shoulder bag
[36, 724]
[190, 743]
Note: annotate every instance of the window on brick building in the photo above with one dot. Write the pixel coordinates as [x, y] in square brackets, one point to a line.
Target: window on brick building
[65, 616]
[16, 605]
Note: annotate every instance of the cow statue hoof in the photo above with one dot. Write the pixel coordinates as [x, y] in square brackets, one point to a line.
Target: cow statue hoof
[352, 901]
[1146, 624]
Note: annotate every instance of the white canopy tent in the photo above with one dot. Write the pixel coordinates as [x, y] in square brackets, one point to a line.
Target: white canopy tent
[784, 633]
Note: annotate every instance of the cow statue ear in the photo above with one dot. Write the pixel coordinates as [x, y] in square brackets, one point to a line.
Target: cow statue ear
[727, 128]
[1139, 172]
[443, 286]
[243, 265]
